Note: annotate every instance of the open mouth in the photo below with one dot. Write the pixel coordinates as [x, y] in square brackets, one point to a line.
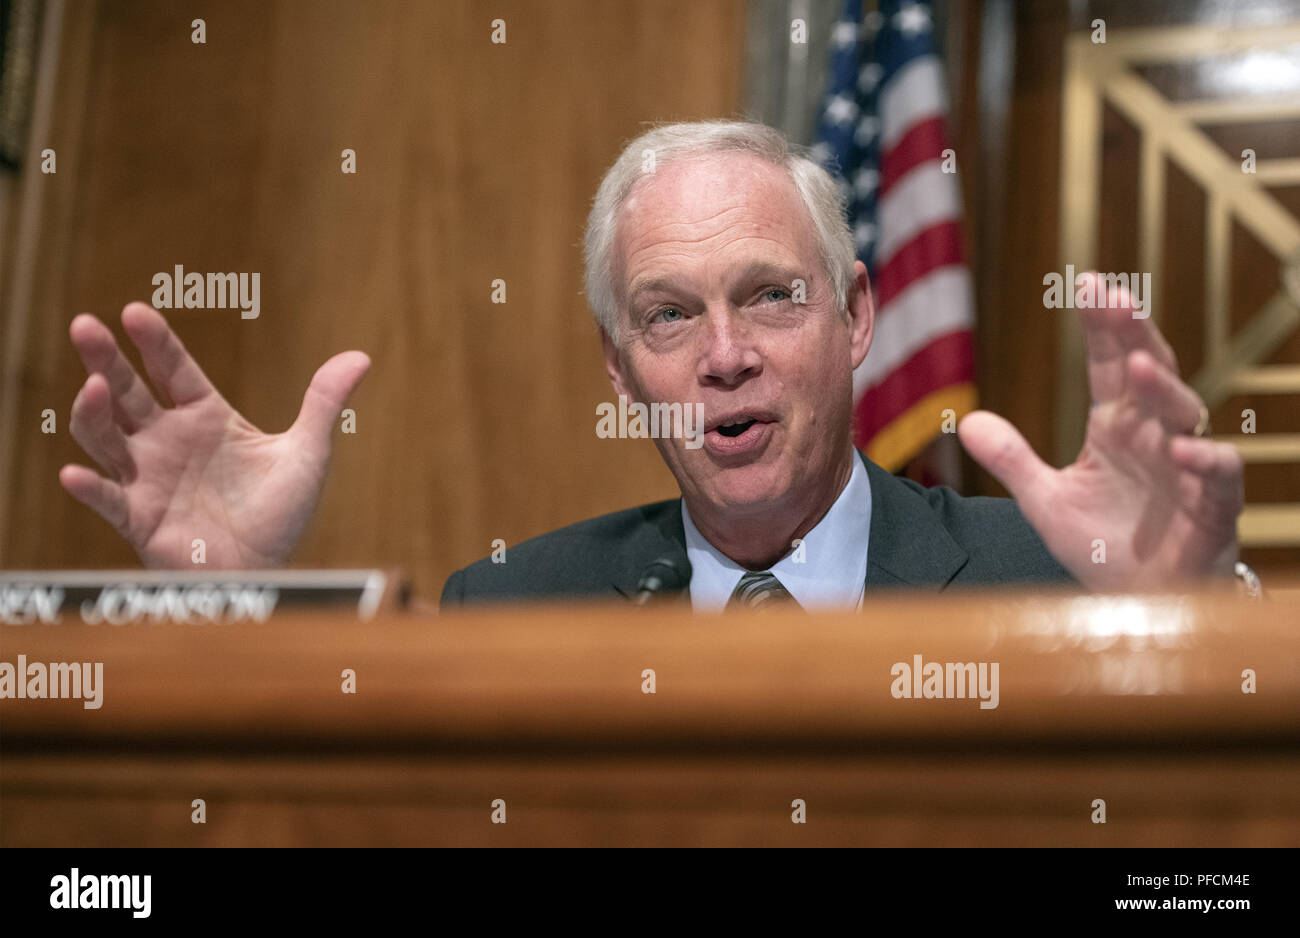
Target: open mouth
[737, 428]
[740, 435]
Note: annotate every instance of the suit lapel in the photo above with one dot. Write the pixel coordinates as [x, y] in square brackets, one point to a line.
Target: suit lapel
[908, 545]
[660, 534]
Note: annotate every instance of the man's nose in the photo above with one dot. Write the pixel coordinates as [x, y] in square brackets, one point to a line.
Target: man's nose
[730, 354]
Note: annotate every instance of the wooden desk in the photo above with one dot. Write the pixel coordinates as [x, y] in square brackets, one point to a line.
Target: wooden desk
[1136, 701]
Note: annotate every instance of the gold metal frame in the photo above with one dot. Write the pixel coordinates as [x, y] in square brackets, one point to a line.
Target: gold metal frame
[1104, 72]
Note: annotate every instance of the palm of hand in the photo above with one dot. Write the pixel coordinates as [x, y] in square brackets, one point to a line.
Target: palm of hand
[1125, 514]
[1146, 504]
[204, 472]
[196, 470]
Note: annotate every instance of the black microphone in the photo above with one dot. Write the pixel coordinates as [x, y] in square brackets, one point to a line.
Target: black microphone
[665, 576]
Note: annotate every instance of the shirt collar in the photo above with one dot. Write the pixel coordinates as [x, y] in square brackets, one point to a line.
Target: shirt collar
[829, 569]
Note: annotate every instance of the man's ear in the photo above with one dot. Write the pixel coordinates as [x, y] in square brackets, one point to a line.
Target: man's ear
[862, 314]
[614, 366]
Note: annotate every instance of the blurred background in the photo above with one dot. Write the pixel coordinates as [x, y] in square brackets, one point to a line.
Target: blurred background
[477, 161]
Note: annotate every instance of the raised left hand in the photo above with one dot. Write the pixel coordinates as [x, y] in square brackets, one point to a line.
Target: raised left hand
[1164, 502]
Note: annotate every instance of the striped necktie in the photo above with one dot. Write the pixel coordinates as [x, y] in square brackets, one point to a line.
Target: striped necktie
[760, 590]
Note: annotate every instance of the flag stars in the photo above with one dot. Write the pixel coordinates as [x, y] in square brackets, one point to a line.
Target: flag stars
[841, 110]
[821, 152]
[912, 20]
[864, 235]
[865, 182]
[845, 35]
[869, 76]
[865, 133]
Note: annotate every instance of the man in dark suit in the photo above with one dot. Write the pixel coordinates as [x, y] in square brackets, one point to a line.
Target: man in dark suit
[722, 276]
[927, 539]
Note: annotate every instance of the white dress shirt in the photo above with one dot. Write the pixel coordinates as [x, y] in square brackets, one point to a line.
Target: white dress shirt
[828, 571]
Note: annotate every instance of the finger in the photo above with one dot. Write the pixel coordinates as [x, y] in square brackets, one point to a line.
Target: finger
[93, 427]
[329, 390]
[1158, 392]
[165, 358]
[998, 446]
[101, 495]
[1111, 332]
[1211, 484]
[100, 353]
[1207, 457]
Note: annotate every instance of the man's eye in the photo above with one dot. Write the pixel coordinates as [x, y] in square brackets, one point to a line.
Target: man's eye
[667, 314]
[776, 295]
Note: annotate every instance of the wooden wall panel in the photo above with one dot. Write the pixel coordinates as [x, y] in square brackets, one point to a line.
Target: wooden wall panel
[475, 161]
[1015, 212]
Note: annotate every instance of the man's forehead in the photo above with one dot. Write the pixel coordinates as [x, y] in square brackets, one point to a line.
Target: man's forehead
[695, 187]
[710, 200]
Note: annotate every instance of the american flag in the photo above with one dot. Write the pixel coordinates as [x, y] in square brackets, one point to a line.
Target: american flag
[882, 131]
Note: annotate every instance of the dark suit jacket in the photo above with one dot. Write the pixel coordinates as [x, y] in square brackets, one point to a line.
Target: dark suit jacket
[931, 539]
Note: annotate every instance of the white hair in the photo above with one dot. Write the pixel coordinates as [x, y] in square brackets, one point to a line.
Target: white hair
[821, 195]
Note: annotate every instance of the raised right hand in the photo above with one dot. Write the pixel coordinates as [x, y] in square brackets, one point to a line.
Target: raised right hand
[196, 469]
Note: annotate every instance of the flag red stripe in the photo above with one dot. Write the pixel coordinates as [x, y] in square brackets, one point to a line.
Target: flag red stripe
[923, 141]
[932, 248]
[947, 360]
